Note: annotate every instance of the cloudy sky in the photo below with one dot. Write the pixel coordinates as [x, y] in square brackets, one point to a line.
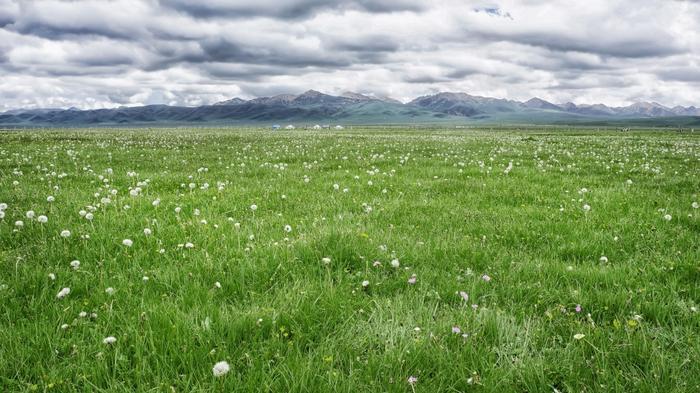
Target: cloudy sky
[93, 54]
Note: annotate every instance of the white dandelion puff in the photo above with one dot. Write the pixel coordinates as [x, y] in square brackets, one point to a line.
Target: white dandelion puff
[221, 368]
[109, 340]
[63, 293]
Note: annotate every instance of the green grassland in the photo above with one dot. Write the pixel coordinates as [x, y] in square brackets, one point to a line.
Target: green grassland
[216, 280]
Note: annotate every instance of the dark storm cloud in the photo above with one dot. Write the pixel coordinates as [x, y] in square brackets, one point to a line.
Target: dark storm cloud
[424, 79]
[96, 59]
[8, 12]
[462, 73]
[288, 9]
[367, 43]
[59, 20]
[588, 83]
[631, 46]
[683, 74]
[224, 50]
[6, 19]
[60, 32]
[246, 72]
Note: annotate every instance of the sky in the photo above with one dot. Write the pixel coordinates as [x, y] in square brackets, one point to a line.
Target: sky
[99, 54]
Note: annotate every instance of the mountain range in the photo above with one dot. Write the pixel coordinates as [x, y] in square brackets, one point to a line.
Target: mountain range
[355, 108]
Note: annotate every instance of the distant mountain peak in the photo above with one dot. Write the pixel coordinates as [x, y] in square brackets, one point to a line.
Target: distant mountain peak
[311, 93]
[232, 101]
[356, 96]
[313, 97]
[538, 103]
[277, 99]
[369, 97]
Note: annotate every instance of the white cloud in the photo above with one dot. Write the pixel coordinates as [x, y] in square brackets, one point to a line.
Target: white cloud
[103, 54]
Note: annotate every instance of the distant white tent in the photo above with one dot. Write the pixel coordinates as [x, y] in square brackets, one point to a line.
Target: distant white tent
[289, 127]
[317, 127]
[339, 127]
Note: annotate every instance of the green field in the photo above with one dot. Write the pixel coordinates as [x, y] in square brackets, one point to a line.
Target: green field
[577, 270]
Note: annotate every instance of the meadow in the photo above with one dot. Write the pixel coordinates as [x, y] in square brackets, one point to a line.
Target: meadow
[363, 260]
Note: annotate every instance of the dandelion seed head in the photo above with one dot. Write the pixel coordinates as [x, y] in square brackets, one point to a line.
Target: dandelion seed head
[221, 368]
[464, 296]
[63, 293]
